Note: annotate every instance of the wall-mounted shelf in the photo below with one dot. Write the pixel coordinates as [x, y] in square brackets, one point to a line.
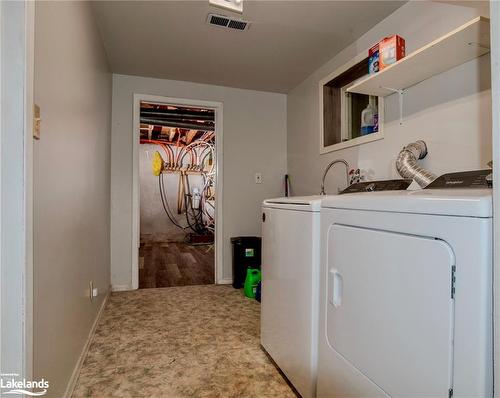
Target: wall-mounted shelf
[467, 42]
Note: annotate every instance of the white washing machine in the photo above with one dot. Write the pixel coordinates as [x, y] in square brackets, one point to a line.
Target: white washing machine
[406, 294]
[290, 286]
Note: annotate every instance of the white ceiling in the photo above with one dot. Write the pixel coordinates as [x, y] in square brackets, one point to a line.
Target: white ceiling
[286, 42]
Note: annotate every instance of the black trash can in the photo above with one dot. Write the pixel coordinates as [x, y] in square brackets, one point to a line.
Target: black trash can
[246, 254]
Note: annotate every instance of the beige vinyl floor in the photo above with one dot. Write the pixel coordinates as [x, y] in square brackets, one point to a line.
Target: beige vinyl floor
[190, 341]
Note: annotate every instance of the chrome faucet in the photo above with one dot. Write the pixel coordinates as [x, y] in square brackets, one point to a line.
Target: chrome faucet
[328, 169]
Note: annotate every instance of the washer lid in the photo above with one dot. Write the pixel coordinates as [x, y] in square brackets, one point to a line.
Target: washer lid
[451, 202]
[304, 203]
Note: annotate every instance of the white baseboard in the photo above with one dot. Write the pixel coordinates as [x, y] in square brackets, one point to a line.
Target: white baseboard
[225, 281]
[76, 371]
[121, 288]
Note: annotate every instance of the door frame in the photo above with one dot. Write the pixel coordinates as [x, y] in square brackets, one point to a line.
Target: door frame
[17, 54]
[218, 108]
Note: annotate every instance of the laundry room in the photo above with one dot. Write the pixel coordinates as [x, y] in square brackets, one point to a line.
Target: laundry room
[404, 135]
[250, 198]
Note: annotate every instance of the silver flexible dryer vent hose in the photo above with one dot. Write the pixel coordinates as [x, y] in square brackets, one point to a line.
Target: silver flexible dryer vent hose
[407, 167]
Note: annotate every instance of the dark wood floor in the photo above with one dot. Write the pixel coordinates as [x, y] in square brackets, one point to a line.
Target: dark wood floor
[164, 264]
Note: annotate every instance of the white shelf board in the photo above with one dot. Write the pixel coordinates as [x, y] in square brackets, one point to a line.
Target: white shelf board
[467, 42]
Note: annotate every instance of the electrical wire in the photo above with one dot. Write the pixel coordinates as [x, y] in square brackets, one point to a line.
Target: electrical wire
[164, 202]
[199, 219]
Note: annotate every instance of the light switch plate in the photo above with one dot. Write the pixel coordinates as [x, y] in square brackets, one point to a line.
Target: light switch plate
[258, 178]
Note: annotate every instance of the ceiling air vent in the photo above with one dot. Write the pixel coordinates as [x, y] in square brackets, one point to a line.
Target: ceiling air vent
[226, 22]
[240, 25]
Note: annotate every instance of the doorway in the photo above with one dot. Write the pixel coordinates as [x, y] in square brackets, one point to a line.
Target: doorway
[177, 168]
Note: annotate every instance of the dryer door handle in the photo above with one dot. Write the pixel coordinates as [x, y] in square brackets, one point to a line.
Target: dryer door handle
[335, 282]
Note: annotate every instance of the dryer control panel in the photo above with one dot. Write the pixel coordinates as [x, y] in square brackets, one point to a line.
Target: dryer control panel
[463, 179]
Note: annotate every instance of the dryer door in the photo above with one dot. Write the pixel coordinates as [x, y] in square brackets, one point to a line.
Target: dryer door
[390, 308]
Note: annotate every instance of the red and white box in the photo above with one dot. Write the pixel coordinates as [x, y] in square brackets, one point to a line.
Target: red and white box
[391, 50]
[373, 59]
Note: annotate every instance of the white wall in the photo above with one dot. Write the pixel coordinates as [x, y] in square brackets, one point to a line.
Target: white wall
[451, 111]
[71, 186]
[254, 141]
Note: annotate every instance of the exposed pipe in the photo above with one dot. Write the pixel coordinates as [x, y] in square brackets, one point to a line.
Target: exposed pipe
[407, 166]
[201, 124]
[180, 112]
[184, 116]
[209, 126]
